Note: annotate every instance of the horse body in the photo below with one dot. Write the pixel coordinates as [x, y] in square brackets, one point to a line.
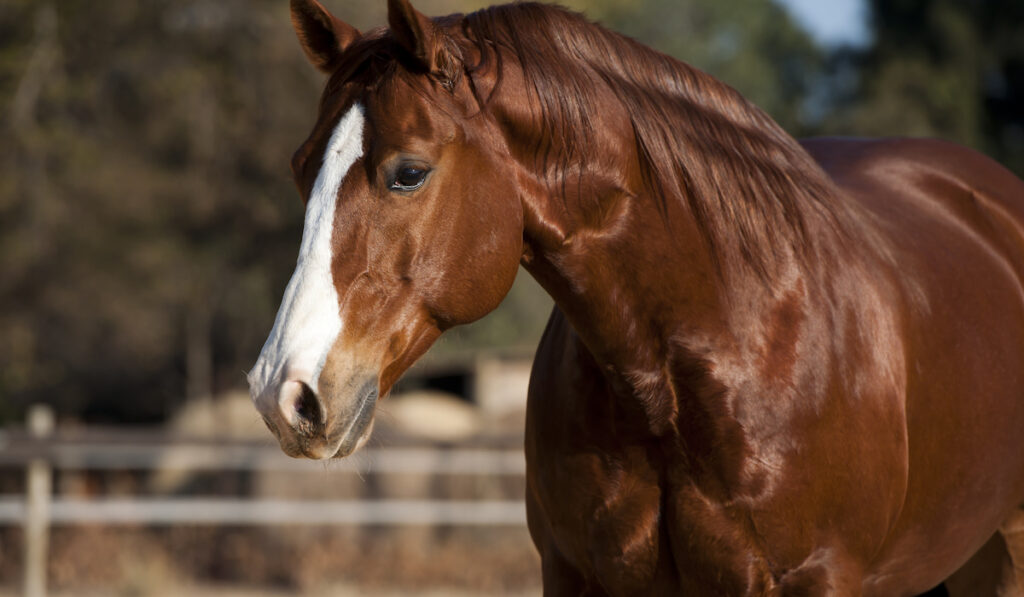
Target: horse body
[773, 369]
[830, 503]
[956, 220]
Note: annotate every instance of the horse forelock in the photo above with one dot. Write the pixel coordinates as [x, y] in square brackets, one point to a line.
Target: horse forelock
[377, 58]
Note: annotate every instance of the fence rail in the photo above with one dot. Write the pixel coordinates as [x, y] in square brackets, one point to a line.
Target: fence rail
[207, 511]
[179, 454]
[40, 452]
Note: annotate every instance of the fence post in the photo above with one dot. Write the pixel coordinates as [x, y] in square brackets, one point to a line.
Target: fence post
[37, 507]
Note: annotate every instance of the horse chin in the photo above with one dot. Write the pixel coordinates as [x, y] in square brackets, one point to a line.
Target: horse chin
[356, 428]
[348, 447]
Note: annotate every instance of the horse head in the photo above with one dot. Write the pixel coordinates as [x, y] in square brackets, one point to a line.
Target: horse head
[412, 226]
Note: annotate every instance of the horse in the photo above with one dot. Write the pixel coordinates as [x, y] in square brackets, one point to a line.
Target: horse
[774, 367]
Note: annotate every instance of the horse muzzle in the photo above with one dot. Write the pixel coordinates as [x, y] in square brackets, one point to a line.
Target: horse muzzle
[310, 425]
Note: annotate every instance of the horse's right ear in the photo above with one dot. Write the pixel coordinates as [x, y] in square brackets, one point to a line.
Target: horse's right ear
[323, 37]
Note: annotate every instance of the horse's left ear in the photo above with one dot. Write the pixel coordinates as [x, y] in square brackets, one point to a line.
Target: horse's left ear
[421, 38]
[323, 36]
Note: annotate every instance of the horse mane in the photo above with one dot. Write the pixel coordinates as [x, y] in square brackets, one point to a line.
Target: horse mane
[749, 185]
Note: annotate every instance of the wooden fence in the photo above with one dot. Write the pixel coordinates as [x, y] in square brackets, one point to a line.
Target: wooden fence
[41, 450]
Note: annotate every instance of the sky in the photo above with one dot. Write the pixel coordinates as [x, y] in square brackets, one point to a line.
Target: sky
[831, 22]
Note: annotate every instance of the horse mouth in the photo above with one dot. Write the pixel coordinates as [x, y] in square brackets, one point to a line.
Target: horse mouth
[361, 423]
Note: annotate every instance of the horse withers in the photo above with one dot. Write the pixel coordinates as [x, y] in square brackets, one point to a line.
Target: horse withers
[774, 367]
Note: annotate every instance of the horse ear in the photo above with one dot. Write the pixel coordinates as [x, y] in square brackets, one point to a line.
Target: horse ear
[416, 33]
[323, 37]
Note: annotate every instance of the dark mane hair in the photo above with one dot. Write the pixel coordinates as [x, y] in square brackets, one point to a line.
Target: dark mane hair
[373, 60]
[749, 185]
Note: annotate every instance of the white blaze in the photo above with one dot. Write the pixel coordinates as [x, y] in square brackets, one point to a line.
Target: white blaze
[308, 321]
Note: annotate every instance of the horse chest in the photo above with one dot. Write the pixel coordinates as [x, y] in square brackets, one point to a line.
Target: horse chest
[616, 522]
[608, 502]
[602, 514]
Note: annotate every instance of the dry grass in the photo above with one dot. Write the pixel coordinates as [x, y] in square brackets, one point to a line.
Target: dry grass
[154, 562]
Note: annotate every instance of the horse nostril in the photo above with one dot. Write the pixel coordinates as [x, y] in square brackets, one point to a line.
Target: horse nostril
[307, 406]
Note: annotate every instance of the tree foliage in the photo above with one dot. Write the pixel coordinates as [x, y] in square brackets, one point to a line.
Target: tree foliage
[754, 46]
[944, 68]
[145, 202]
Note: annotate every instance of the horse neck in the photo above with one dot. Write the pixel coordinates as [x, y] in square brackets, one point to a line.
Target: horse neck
[690, 242]
[648, 296]
[630, 283]
[645, 296]
[637, 277]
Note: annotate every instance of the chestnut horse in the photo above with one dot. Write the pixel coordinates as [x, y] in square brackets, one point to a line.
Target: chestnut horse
[774, 368]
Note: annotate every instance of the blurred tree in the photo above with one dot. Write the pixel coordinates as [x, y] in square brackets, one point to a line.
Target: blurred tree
[945, 68]
[753, 45]
[141, 212]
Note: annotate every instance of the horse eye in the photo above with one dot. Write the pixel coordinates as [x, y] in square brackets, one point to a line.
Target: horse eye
[409, 178]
